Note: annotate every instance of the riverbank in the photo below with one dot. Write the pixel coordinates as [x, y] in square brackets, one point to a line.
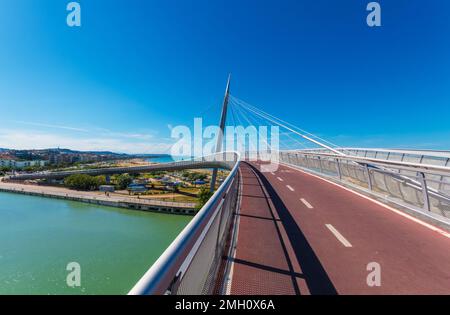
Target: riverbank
[98, 198]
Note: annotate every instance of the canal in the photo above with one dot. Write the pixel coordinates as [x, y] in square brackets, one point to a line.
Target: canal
[114, 247]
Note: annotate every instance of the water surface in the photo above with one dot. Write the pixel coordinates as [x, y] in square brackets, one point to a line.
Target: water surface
[114, 247]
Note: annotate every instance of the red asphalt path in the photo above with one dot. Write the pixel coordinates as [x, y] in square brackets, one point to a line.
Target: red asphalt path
[286, 247]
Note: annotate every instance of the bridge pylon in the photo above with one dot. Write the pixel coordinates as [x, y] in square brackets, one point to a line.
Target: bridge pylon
[223, 118]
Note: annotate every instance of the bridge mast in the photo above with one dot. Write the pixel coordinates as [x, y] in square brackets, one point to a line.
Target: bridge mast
[223, 118]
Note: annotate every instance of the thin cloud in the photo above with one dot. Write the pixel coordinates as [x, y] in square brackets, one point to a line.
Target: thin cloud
[130, 135]
[103, 132]
[138, 136]
[22, 139]
[36, 124]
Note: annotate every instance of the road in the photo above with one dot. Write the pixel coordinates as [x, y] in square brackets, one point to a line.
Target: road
[299, 234]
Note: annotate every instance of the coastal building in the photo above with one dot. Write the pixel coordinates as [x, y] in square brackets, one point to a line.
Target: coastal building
[58, 158]
[6, 161]
[10, 162]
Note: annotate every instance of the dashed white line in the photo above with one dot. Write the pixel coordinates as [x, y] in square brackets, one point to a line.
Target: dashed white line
[338, 235]
[290, 188]
[407, 216]
[306, 203]
[280, 179]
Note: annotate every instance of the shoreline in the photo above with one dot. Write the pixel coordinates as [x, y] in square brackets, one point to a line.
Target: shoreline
[100, 199]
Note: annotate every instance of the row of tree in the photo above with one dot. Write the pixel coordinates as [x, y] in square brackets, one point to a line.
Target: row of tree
[84, 182]
[5, 169]
[87, 182]
[193, 176]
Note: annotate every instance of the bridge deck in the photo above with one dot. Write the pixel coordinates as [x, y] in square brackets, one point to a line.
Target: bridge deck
[299, 234]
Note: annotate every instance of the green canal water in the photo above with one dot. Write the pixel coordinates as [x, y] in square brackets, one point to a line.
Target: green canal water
[114, 247]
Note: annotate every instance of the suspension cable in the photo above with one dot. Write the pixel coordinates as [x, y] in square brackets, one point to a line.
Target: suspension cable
[294, 131]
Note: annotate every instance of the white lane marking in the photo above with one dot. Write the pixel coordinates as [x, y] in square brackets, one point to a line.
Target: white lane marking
[272, 173]
[306, 203]
[280, 179]
[338, 235]
[407, 216]
[290, 188]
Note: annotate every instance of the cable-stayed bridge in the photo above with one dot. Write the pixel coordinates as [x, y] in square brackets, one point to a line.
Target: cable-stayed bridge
[326, 220]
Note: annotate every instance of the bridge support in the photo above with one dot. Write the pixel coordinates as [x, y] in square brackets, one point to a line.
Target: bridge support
[223, 118]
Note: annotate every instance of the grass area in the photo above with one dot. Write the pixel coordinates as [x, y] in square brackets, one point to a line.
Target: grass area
[162, 185]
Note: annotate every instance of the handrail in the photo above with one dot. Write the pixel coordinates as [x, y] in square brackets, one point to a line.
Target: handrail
[165, 272]
[416, 152]
[411, 166]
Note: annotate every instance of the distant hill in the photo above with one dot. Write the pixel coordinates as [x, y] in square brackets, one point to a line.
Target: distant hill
[58, 150]
[69, 151]
[151, 155]
[111, 153]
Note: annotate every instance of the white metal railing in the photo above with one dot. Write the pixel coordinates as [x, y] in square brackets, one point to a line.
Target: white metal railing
[435, 157]
[191, 264]
[416, 185]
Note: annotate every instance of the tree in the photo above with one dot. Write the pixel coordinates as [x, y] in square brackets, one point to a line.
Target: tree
[83, 182]
[100, 180]
[203, 197]
[30, 169]
[123, 181]
[5, 169]
[199, 176]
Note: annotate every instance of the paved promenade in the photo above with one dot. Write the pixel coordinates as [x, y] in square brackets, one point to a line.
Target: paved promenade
[100, 198]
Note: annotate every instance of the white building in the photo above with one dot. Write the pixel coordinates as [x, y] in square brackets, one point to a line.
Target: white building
[21, 164]
[6, 163]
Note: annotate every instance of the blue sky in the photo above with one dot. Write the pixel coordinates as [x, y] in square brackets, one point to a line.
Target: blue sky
[136, 67]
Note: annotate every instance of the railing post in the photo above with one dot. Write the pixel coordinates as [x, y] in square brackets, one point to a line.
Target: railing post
[320, 164]
[426, 199]
[442, 176]
[338, 168]
[173, 287]
[369, 180]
